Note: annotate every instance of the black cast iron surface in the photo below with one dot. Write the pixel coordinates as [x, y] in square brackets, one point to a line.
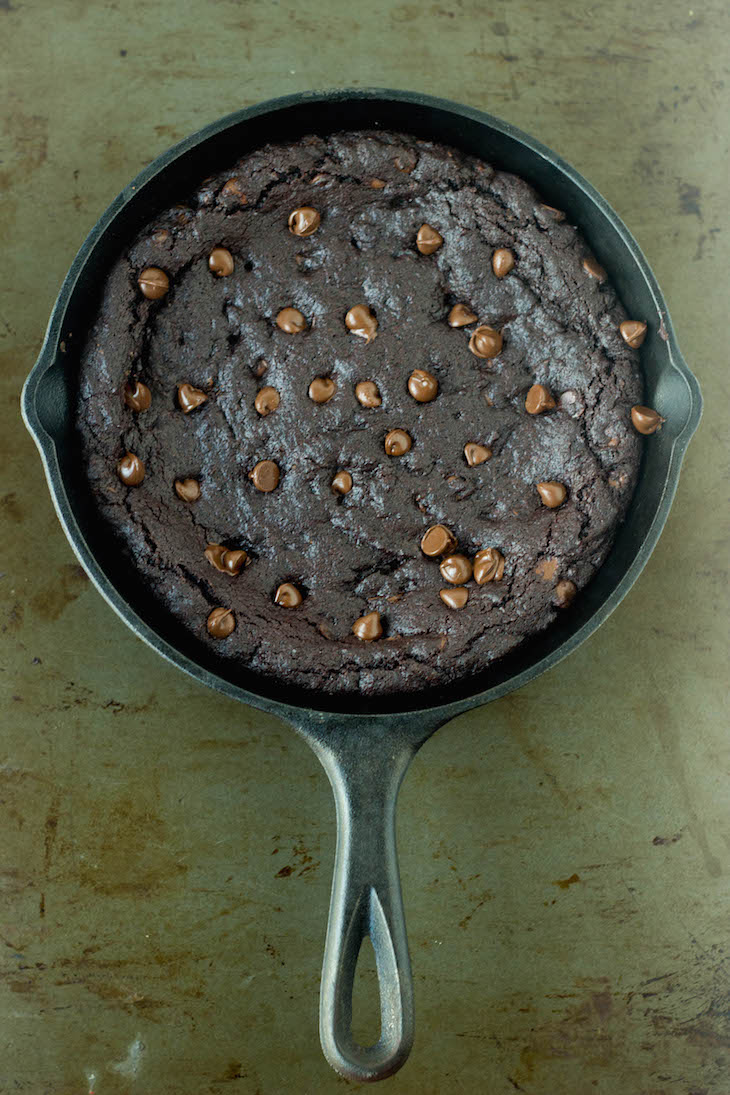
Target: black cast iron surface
[364, 745]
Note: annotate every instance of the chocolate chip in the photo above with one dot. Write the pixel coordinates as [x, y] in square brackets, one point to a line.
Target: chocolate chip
[539, 399]
[130, 470]
[342, 483]
[266, 401]
[397, 442]
[153, 282]
[646, 420]
[454, 598]
[406, 161]
[558, 214]
[488, 566]
[367, 394]
[221, 623]
[594, 269]
[633, 332]
[232, 189]
[265, 476]
[503, 261]
[220, 261]
[476, 454]
[291, 320]
[228, 562]
[303, 221]
[189, 397]
[368, 627]
[423, 386]
[572, 403]
[287, 595]
[485, 342]
[377, 184]
[460, 316]
[565, 592]
[428, 239]
[552, 494]
[187, 489]
[322, 389]
[137, 396]
[361, 321]
[456, 569]
[437, 540]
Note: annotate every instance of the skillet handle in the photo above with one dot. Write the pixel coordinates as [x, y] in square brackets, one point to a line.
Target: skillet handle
[366, 901]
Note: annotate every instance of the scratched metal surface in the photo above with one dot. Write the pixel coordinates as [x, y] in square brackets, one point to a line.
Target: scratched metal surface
[164, 868]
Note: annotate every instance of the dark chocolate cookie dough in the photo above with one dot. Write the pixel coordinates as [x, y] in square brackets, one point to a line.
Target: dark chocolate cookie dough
[334, 346]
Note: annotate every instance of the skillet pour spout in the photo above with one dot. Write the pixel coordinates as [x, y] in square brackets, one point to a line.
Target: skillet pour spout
[364, 744]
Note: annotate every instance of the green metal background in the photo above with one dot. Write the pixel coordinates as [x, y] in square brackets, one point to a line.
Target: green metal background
[165, 860]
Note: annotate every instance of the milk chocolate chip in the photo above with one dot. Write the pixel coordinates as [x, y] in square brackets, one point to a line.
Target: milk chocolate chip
[189, 397]
[322, 389]
[456, 569]
[265, 476]
[187, 489]
[266, 401]
[304, 221]
[437, 540]
[460, 316]
[137, 396]
[342, 483]
[368, 627]
[291, 320]
[428, 239]
[397, 442]
[130, 470]
[565, 592]
[539, 399]
[476, 454]
[221, 623]
[552, 494]
[594, 269]
[488, 566]
[367, 394]
[423, 386]
[503, 261]
[633, 332]
[646, 420]
[485, 342]
[220, 262]
[454, 598]
[361, 321]
[287, 595]
[153, 282]
[228, 562]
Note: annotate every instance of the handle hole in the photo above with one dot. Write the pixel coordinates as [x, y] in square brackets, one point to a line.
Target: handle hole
[366, 997]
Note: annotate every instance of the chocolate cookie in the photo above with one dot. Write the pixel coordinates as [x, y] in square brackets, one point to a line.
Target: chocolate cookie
[359, 413]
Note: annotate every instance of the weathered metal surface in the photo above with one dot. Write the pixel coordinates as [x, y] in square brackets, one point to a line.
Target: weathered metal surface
[564, 852]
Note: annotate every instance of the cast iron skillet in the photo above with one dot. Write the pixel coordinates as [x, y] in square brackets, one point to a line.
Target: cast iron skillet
[365, 745]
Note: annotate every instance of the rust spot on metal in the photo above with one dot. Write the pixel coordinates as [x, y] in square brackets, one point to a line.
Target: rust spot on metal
[566, 883]
[69, 582]
[50, 829]
[658, 840]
